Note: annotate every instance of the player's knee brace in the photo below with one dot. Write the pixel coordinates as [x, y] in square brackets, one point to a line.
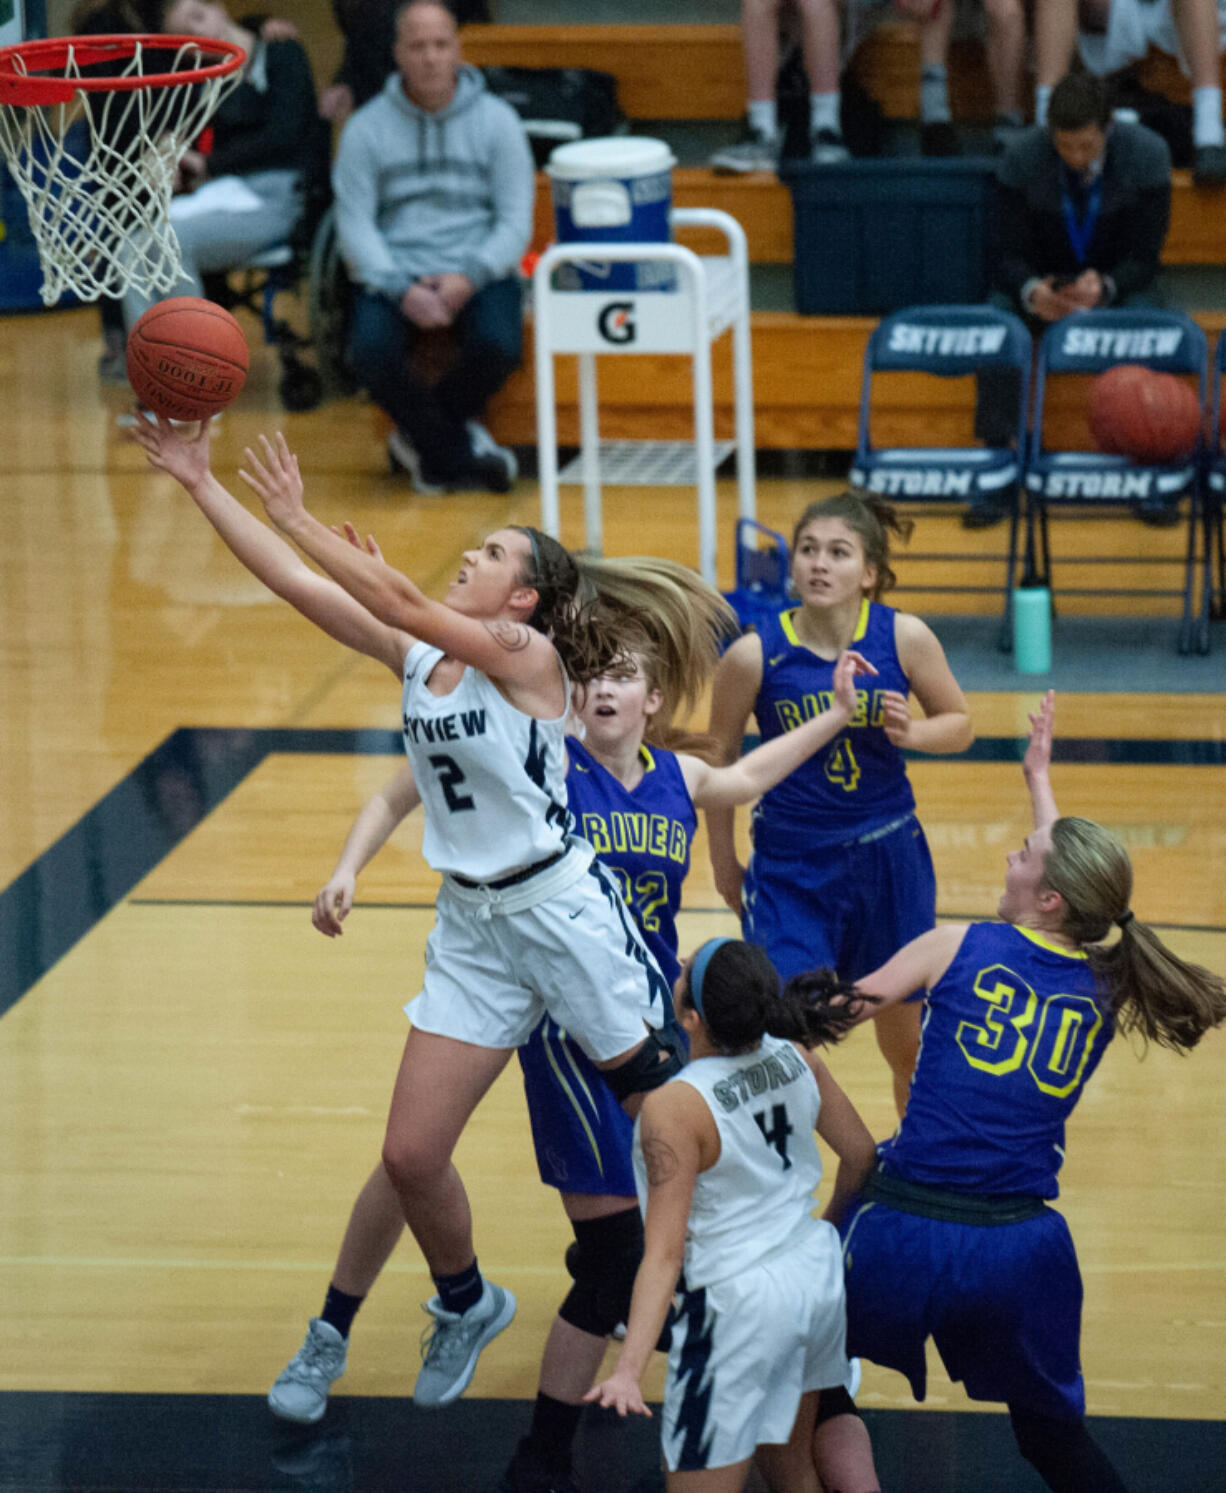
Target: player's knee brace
[656, 1061]
[603, 1261]
[832, 1402]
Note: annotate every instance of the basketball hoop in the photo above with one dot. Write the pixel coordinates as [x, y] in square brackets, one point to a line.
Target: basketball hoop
[93, 129]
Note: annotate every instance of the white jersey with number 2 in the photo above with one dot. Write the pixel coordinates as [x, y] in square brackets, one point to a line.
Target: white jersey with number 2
[492, 779]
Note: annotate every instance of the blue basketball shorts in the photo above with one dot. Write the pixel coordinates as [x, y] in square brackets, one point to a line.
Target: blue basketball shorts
[580, 1132]
[1001, 1302]
[849, 907]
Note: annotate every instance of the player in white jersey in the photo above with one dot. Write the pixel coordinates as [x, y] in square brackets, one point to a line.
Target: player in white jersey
[527, 922]
[727, 1167]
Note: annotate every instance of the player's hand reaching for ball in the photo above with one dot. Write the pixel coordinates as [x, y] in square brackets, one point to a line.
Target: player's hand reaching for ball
[185, 458]
[620, 1392]
[368, 546]
[275, 478]
[333, 904]
[896, 717]
[1038, 751]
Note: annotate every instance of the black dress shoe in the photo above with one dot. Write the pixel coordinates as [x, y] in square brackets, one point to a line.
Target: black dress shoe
[1209, 166]
[983, 515]
[1157, 515]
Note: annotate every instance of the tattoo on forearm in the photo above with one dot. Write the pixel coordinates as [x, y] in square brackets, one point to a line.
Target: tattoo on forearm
[660, 1160]
[513, 636]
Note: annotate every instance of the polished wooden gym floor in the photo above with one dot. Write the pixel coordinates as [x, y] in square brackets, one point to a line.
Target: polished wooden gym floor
[193, 1082]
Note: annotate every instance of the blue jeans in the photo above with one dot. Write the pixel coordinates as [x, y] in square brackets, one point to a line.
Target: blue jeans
[489, 334]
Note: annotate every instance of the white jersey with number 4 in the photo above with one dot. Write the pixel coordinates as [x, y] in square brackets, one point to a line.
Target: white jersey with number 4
[759, 1194]
[492, 779]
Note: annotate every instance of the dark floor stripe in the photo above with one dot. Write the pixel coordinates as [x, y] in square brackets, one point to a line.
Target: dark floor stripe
[79, 879]
[205, 1443]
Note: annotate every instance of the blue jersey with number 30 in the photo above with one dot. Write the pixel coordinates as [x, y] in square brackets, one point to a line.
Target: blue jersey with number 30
[856, 783]
[1012, 1032]
[642, 836]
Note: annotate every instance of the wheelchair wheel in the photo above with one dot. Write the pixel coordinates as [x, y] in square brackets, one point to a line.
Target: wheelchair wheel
[328, 306]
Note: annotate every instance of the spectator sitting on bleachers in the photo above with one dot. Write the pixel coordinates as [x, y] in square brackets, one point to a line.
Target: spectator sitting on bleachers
[248, 193]
[1003, 28]
[1084, 206]
[369, 29]
[824, 55]
[434, 186]
[761, 138]
[1112, 34]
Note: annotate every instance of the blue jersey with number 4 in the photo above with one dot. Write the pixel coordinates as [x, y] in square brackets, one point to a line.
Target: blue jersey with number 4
[1012, 1032]
[856, 783]
[642, 836]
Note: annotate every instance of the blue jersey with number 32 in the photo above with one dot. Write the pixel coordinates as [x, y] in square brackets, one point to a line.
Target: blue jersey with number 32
[642, 836]
[856, 783]
[1012, 1032]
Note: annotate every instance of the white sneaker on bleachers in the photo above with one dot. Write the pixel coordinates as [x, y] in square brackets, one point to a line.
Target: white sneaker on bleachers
[754, 151]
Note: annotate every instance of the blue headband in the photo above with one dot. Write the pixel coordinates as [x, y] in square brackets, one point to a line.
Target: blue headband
[698, 969]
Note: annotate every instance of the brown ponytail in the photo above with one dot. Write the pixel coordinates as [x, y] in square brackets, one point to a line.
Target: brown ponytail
[1149, 988]
[742, 1001]
[599, 613]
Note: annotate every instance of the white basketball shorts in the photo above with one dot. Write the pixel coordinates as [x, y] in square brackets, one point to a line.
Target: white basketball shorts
[745, 1349]
[563, 942]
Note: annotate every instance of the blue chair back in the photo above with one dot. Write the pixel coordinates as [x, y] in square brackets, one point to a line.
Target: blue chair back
[1093, 341]
[947, 342]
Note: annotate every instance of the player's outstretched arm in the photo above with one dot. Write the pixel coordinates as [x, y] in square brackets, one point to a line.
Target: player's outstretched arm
[767, 765]
[840, 1126]
[672, 1156]
[265, 554]
[735, 688]
[946, 724]
[503, 650]
[1037, 761]
[376, 820]
[917, 966]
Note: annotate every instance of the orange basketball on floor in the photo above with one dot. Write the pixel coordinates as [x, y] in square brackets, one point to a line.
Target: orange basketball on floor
[1143, 415]
[187, 358]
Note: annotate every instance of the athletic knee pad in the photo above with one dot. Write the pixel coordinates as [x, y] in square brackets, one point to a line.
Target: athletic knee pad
[655, 1062]
[603, 1261]
[832, 1402]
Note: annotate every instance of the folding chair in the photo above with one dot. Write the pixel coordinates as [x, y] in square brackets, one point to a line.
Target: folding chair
[949, 342]
[1090, 342]
[763, 572]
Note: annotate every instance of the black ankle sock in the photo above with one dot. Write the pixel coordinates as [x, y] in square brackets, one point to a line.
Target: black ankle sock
[459, 1292]
[554, 1424]
[340, 1309]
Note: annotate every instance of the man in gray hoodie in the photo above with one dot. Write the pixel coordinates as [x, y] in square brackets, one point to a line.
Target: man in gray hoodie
[434, 186]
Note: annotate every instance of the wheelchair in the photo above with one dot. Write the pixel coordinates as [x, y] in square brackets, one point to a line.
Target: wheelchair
[310, 258]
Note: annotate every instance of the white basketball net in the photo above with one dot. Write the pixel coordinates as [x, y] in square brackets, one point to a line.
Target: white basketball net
[97, 174]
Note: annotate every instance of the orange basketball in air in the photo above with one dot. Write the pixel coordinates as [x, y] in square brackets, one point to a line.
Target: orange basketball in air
[187, 358]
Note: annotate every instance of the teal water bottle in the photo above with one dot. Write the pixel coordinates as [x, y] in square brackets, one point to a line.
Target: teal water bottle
[1032, 630]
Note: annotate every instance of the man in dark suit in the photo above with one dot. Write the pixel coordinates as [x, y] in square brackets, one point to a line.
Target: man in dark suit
[1084, 206]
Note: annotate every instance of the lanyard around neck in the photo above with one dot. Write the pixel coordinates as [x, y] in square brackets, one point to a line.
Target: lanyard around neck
[1080, 227]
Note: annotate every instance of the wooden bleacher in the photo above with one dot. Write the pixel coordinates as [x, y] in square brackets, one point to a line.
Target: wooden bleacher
[806, 369]
[696, 72]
